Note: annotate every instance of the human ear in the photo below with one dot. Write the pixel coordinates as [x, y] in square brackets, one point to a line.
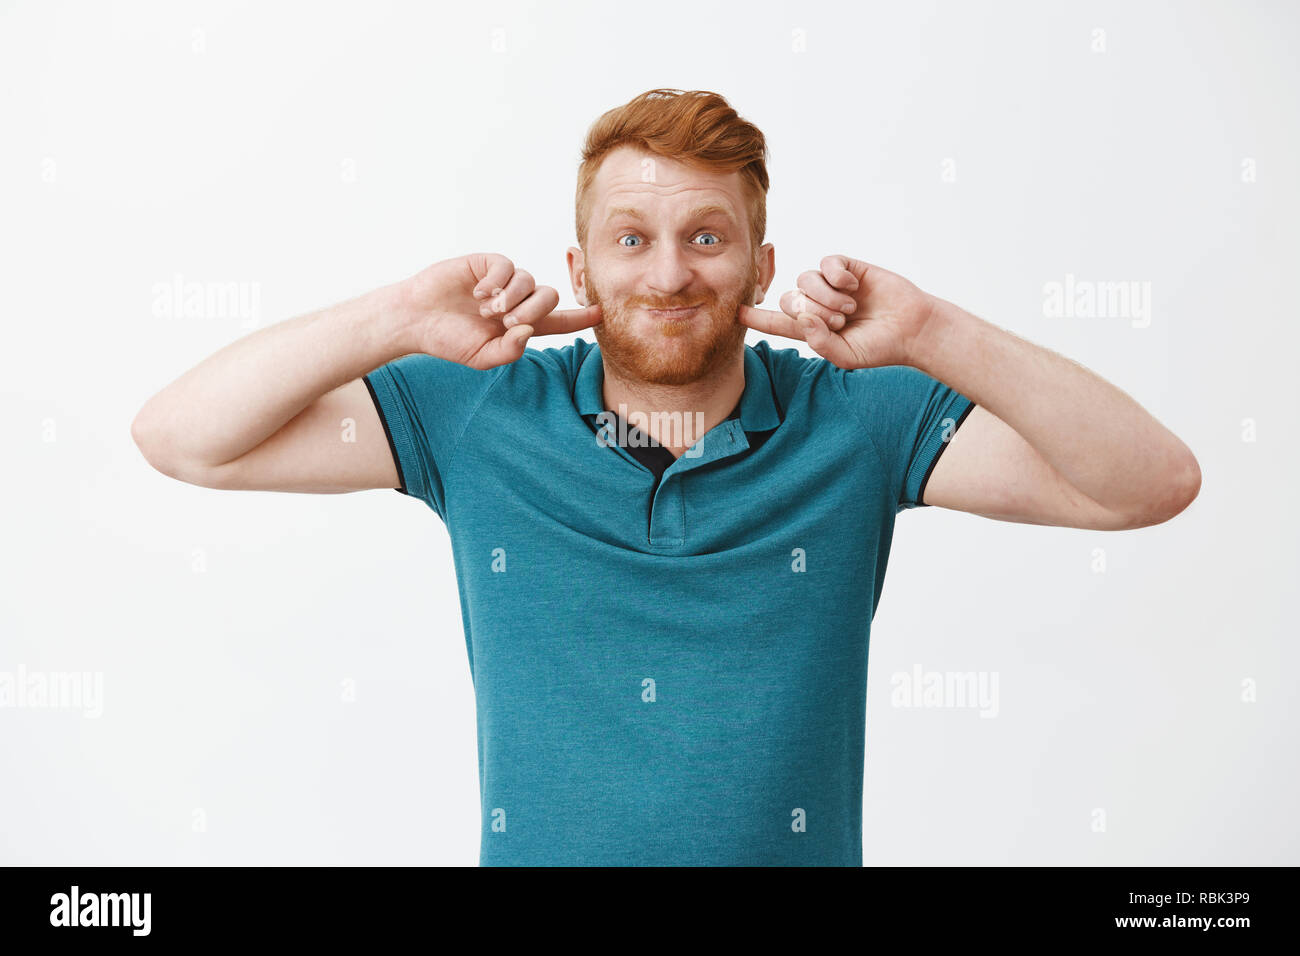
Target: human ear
[576, 262]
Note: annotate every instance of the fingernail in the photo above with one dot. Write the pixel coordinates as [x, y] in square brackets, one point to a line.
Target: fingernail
[496, 291]
[480, 293]
[510, 320]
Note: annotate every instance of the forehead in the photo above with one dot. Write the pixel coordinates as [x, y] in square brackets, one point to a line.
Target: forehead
[631, 177]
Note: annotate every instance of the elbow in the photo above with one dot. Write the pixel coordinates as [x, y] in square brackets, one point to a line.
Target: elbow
[1191, 480]
[159, 450]
[152, 443]
[143, 436]
[1185, 485]
[1182, 486]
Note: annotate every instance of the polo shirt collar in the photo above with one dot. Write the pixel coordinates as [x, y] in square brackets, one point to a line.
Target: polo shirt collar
[758, 411]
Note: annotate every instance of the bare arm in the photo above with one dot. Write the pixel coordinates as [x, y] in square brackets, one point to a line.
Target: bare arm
[1055, 443]
[268, 411]
[285, 408]
[1048, 442]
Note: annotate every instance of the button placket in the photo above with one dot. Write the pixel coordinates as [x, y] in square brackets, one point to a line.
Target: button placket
[668, 507]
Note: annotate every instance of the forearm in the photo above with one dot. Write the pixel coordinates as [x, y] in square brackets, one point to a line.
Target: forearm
[1097, 437]
[241, 395]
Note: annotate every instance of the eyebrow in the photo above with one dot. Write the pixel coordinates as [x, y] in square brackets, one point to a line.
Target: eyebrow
[699, 212]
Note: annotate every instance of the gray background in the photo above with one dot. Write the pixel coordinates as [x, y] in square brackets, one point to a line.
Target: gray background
[314, 151]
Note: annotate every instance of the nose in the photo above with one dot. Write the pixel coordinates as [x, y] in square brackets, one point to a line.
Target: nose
[667, 273]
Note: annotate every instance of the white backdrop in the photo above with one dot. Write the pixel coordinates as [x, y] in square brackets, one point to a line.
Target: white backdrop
[283, 678]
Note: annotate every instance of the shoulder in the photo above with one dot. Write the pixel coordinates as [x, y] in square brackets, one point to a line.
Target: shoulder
[862, 389]
[564, 360]
[786, 365]
[548, 372]
[793, 373]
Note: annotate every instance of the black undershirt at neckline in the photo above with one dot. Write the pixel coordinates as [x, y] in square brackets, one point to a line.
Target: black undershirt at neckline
[643, 448]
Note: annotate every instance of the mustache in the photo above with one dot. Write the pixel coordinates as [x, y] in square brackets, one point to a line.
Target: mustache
[667, 304]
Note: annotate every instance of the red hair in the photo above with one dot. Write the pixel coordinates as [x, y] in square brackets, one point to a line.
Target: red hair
[695, 127]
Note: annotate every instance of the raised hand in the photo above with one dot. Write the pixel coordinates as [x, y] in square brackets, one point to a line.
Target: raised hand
[479, 310]
[851, 313]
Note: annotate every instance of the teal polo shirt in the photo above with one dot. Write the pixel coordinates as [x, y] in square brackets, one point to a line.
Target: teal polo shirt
[668, 669]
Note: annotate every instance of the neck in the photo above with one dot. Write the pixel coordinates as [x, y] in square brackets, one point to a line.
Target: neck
[676, 416]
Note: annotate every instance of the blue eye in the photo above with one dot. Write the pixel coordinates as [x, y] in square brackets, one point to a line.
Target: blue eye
[714, 235]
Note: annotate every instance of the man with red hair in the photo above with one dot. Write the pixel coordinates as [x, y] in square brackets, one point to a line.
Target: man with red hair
[670, 544]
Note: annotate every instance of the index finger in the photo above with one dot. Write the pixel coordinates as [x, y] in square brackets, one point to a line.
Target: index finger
[765, 320]
[561, 321]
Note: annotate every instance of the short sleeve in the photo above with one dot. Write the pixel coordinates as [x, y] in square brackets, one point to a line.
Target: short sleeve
[426, 403]
[909, 417]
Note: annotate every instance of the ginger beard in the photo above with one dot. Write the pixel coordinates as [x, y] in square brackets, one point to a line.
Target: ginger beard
[671, 352]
